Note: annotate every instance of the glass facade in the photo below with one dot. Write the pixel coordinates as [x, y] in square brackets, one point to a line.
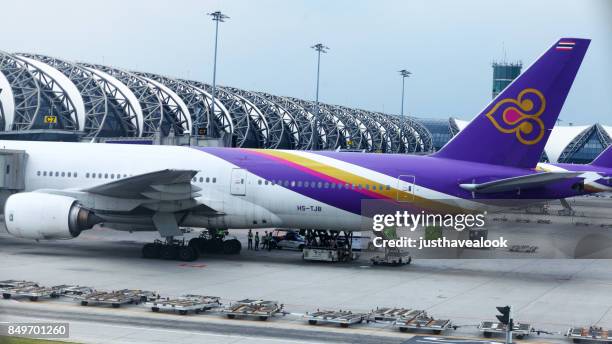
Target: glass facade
[588, 151]
[440, 131]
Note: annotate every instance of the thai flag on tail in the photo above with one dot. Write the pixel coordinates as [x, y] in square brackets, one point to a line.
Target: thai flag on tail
[565, 45]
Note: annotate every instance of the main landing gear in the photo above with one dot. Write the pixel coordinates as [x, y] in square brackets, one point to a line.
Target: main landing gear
[207, 242]
[216, 242]
[170, 250]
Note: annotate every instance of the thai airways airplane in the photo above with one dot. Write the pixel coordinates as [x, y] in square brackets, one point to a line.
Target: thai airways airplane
[70, 187]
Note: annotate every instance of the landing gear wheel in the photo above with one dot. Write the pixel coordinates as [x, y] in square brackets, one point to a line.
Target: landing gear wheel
[169, 252]
[196, 243]
[212, 246]
[232, 246]
[151, 251]
[187, 253]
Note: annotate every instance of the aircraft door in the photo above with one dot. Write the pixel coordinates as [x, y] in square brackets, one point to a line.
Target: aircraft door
[238, 182]
[405, 188]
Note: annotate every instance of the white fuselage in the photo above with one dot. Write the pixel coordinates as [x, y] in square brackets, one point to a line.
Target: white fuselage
[76, 166]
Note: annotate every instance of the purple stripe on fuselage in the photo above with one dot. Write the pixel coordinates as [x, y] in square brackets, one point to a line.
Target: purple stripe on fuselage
[445, 175]
[275, 169]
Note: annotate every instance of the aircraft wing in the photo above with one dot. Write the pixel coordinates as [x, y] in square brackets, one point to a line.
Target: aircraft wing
[163, 185]
[521, 182]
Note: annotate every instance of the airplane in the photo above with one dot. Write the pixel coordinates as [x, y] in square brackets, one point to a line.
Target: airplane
[72, 187]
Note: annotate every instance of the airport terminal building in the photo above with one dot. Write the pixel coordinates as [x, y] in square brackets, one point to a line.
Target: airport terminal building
[47, 98]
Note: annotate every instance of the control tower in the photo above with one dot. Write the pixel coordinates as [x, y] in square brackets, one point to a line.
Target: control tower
[503, 74]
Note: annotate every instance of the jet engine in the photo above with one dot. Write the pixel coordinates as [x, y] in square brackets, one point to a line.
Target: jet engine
[35, 215]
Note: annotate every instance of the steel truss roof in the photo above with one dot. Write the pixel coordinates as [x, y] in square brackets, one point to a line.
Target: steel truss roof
[37, 94]
[137, 104]
[107, 111]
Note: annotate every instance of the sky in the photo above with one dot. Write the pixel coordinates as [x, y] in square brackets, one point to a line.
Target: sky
[265, 46]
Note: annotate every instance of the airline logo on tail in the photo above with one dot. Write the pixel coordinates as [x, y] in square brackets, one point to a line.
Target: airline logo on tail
[521, 116]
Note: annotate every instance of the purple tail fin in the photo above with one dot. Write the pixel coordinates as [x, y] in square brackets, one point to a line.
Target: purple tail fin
[604, 159]
[514, 128]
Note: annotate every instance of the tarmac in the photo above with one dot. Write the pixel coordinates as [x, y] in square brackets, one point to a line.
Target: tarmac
[551, 294]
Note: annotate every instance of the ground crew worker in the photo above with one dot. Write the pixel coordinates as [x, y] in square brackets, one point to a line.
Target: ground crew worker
[265, 240]
[256, 241]
[250, 236]
[270, 241]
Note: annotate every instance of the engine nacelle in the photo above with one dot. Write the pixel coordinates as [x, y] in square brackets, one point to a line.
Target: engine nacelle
[35, 215]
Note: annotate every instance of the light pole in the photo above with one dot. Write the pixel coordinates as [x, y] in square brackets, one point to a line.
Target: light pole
[217, 17]
[320, 48]
[404, 73]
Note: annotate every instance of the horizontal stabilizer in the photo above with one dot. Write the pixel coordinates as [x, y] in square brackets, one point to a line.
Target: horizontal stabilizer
[521, 182]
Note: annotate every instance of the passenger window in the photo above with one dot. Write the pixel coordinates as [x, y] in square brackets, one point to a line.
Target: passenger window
[333, 185]
[75, 174]
[286, 183]
[100, 175]
[299, 183]
[293, 183]
[306, 184]
[207, 179]
[105, 175]
[38, 173]
[388, 187]
[44, 173]
[367, 186]
[319, 185]
[359, 186]
[63, 174]
[326, 185]
[194, 179]
[69, 174]
[112, 176]
[265, 182]
[214, 180]
[374, 187]
[259, 182]
[201, 179]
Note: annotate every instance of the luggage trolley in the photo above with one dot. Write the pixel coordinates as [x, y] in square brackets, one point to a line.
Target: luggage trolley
[343, 318]
[423, 322]
[185, 304]
[261, 309]
[520, 330]
[590, 334]
[391, 315]
[118, 298]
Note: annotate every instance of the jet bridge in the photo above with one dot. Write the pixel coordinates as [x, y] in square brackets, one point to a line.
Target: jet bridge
[12, 173]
